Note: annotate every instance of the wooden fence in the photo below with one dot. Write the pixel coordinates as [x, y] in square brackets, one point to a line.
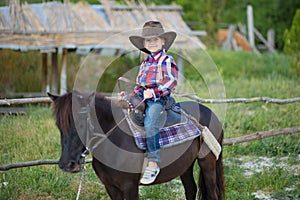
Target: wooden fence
[227, 141]
[22, 101]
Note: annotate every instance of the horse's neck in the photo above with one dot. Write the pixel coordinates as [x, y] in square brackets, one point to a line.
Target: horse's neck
[108, 114]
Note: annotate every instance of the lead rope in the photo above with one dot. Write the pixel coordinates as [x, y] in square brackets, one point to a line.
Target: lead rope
[83, 155]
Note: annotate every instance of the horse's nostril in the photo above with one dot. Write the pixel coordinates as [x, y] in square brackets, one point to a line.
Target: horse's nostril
[71, 164]
[67, 166]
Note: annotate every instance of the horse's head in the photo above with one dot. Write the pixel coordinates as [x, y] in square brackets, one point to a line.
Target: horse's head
[71, 144]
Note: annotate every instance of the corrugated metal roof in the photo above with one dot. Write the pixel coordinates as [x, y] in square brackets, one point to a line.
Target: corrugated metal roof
[53, 24]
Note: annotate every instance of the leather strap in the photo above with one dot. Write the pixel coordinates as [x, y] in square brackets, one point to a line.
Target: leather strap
[128, 81]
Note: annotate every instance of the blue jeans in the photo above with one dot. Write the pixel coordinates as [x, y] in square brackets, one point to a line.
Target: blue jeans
[153, 123]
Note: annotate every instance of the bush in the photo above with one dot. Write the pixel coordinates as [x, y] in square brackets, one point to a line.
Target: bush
[292, 43]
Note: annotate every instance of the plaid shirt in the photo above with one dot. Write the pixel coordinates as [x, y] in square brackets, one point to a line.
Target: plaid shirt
[147, 76]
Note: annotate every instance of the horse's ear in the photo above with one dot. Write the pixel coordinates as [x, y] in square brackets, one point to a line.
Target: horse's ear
[52, 96]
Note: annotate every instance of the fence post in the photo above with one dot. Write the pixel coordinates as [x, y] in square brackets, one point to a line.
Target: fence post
[63, 74]
[54, 72]
[271, 38]
[227, 44]
[44, 71]
[251, 28]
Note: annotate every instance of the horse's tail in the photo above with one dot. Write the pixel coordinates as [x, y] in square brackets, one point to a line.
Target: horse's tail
[220, 181]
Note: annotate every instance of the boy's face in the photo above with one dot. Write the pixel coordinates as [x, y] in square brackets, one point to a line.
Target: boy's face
[154, 45]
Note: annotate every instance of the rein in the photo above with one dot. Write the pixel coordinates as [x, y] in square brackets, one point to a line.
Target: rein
[86, 110]
[128, 81]
[83, 156]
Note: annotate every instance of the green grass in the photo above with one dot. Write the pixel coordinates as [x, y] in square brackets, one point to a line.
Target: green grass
[34, 136]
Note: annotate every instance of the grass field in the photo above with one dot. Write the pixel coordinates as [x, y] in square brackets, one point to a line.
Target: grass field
[262, 169]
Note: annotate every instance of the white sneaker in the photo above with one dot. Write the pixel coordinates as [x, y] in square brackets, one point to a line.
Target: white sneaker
[149, 175]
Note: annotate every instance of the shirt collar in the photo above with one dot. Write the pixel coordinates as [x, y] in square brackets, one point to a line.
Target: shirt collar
[156, 56]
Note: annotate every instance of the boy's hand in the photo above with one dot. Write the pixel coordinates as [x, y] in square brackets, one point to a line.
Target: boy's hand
[148, 94]
[121, 95]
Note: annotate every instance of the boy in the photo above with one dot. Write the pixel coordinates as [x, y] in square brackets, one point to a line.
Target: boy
[159, 74]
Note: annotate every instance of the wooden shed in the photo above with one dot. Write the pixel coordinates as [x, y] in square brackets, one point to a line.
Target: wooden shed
[54, 27]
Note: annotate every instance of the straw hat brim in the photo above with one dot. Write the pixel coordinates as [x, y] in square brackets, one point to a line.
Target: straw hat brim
[138, 41]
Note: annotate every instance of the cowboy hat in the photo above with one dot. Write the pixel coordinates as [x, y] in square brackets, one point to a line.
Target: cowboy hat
[152, 29]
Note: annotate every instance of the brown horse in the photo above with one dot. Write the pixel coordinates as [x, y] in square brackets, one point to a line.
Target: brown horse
[116, 159]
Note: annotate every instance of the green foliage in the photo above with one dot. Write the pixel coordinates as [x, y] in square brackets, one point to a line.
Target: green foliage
[276, 14]
[251, 70]
[17, 73]
[115, 70]
[292, 43]
[246, 65]
[210, 13]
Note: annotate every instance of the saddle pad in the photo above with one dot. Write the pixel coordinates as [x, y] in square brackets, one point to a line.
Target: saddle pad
[169, 136]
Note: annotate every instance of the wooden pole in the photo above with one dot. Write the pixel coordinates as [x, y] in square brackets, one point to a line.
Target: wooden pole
[63, 74]
[227, 44]
[259, 35]
[261, 135]
[239, 100]
[54, 75]
[250, 26]
[251, 29]
[180, 66]
[44, 71]
[32, 163]
[9, 102]
[271, 38]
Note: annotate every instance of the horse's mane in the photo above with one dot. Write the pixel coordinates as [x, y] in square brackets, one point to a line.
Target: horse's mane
[62, 109]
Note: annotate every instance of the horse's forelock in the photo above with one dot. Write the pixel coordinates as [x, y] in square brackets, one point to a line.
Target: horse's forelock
[63, 112]
[62, 109]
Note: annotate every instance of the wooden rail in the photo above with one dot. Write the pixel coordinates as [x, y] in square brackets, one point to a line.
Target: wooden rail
[20, 101]
[229, 141]
[261, 135]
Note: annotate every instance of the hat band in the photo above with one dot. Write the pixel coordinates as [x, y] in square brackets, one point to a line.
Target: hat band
[148, 32]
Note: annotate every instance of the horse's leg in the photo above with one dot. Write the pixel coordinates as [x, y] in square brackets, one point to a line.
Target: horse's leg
[207, 179]
[114, 192]
[189, 183]
[131, 191]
